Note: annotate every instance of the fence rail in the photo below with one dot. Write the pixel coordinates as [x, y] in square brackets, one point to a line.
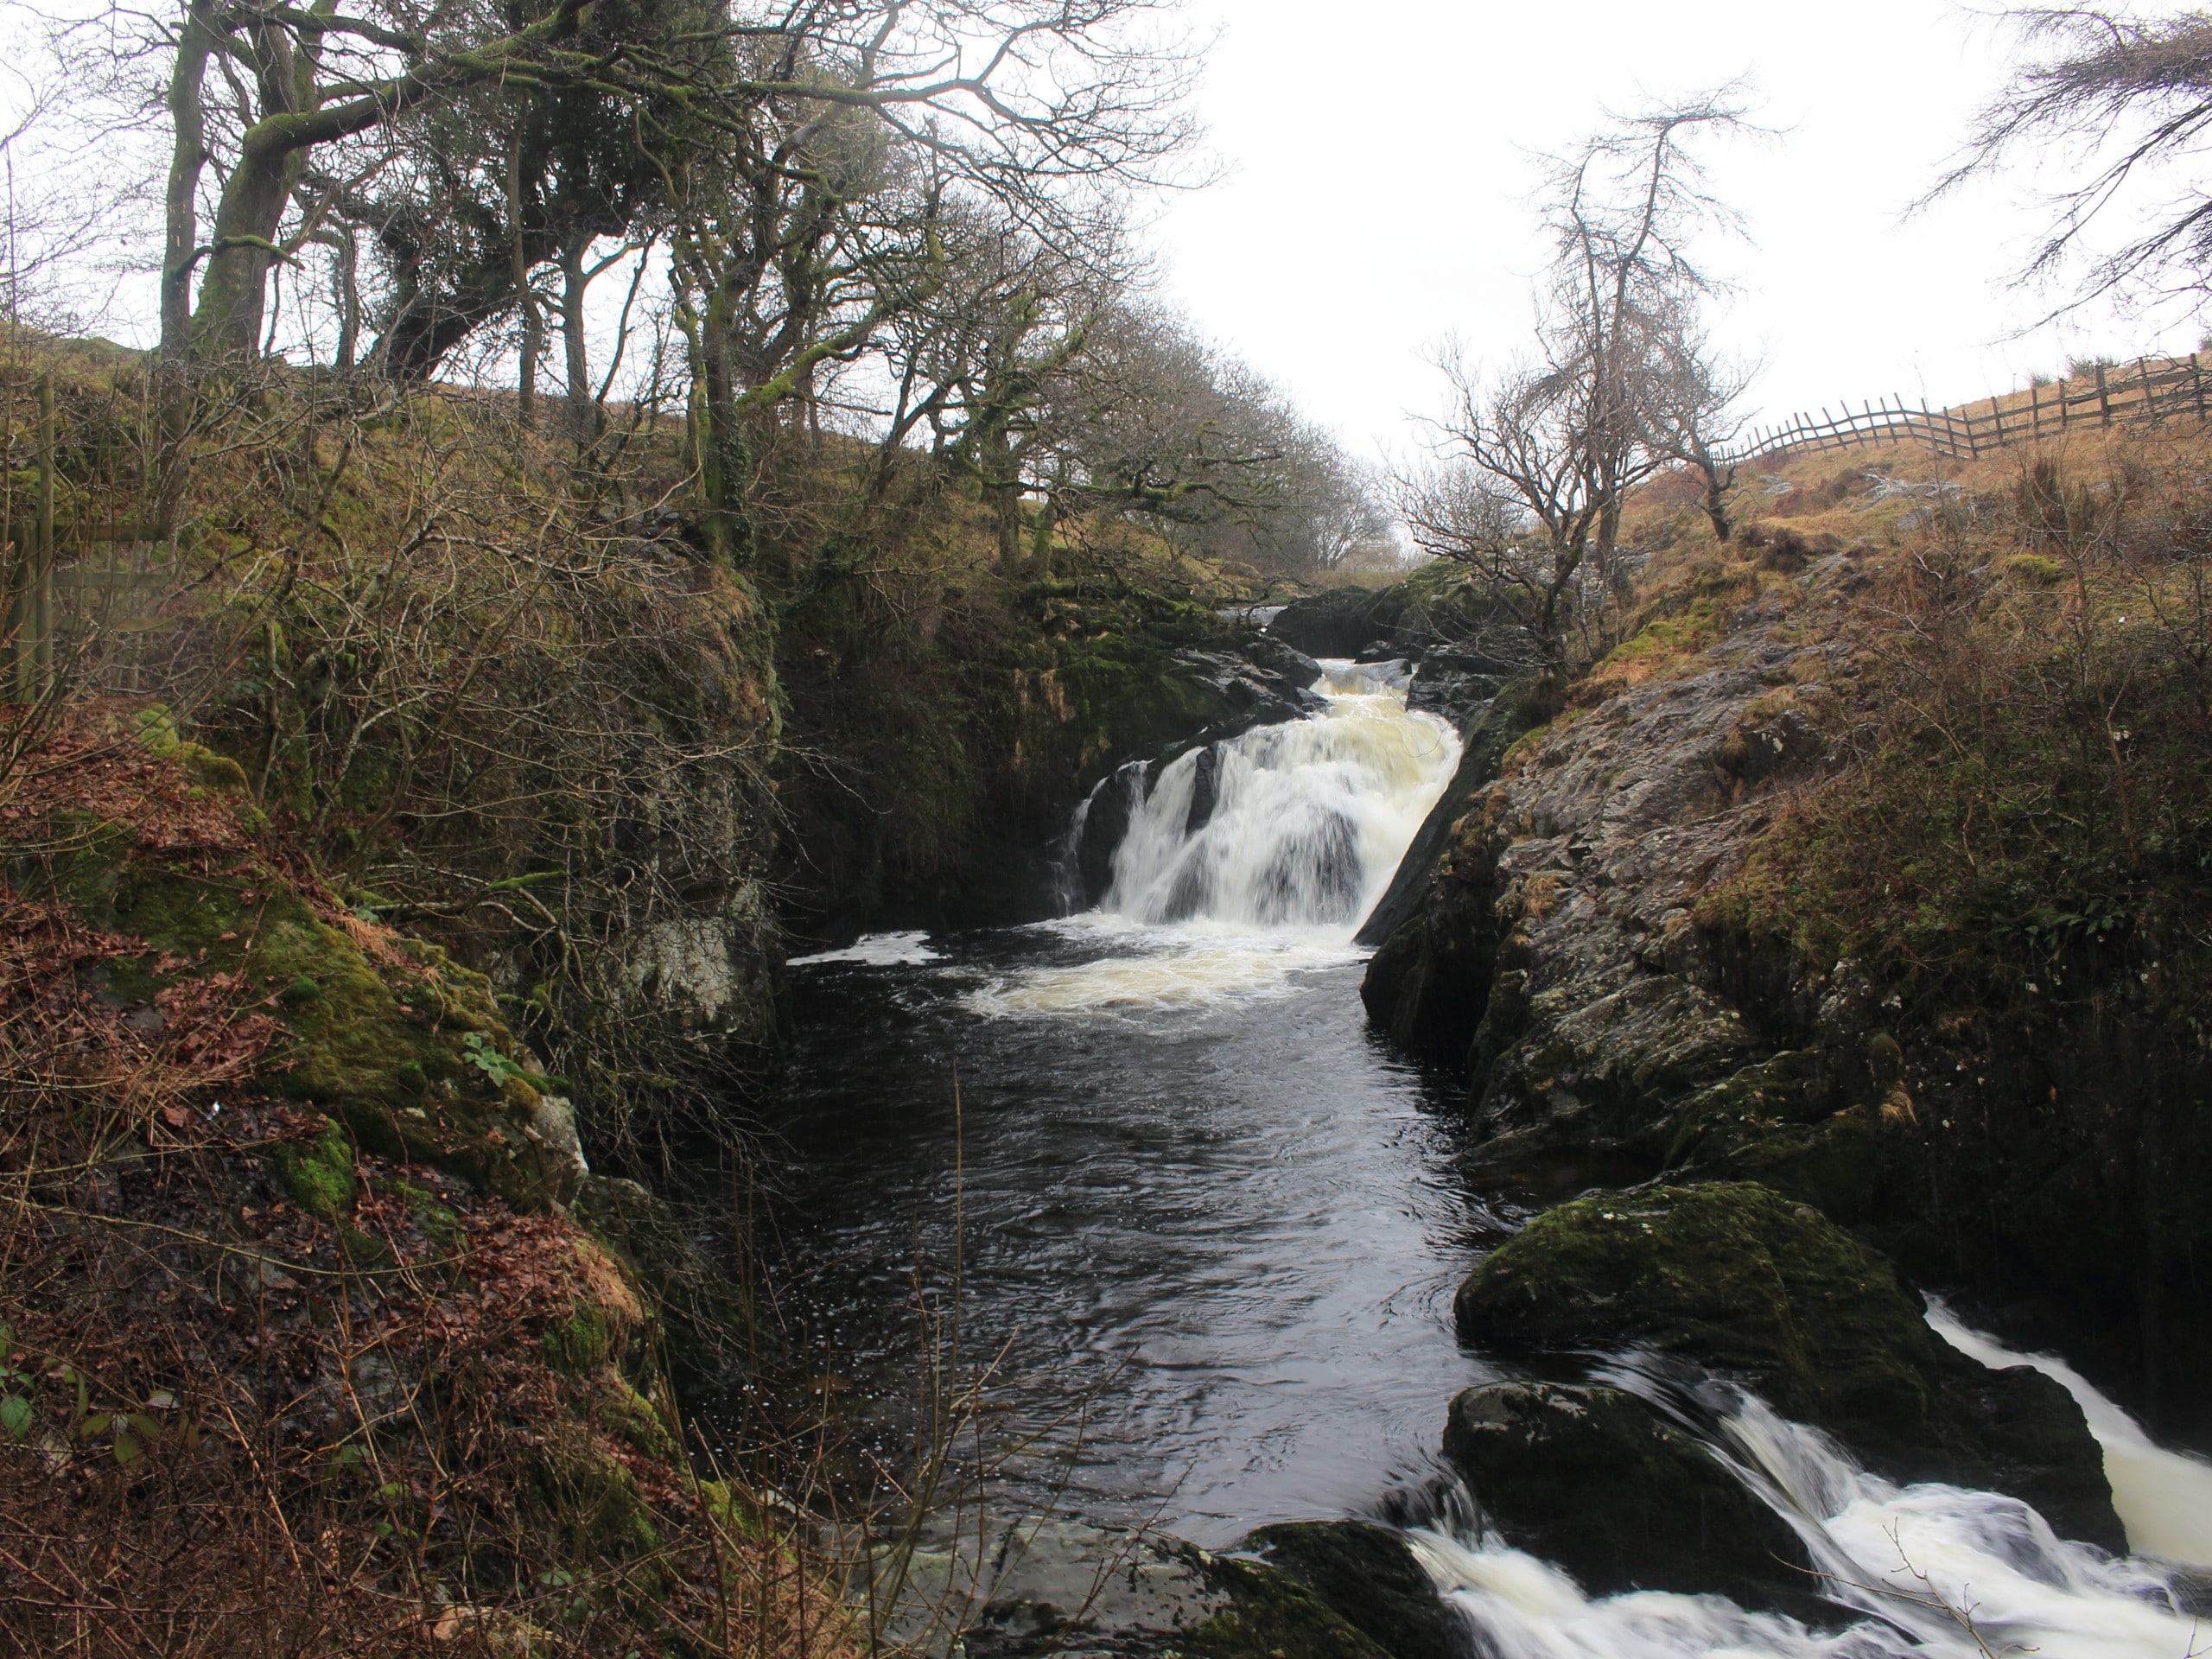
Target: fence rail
[2143, 393]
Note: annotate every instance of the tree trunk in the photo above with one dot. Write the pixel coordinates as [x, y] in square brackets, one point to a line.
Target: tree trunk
[1717, 485]
[533, 322]
[583, 425]
[188, 158]
[232, 294]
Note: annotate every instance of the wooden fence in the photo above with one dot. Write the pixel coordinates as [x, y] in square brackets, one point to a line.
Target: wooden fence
[33, 570]
[2142, 393]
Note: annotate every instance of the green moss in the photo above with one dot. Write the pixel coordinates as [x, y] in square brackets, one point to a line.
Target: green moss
[629, 1418]
[586, 1339]
[439, 1223]
[1271, 1616]
[364, 1249]
[1368, 1576]
[1730, 1273]
[320, 1175]
[379, 1048]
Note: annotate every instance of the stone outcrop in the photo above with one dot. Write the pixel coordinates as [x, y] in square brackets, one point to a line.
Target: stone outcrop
[1368, 1576]
[1061, 1587]
[1591, 1479]
[1554, 949]
[1741, 1281]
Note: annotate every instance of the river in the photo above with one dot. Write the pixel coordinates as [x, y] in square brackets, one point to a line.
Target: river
[1144, 1174]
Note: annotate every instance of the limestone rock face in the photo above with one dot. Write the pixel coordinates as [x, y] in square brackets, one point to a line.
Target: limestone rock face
[1555, 947]
[707, 973]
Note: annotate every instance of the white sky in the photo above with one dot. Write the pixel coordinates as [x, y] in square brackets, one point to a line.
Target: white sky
[1378, 192]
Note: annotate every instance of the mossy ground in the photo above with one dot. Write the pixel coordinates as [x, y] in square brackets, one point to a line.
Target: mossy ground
[311, 1256]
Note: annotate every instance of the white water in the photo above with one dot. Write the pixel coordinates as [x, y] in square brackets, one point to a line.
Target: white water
[875, 950]
[1937, 1570]
[2164, 1498]
[1308, 822]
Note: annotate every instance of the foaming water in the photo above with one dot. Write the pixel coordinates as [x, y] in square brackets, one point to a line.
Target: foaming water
[1298, 826]
[1139, 967]
[2164, 1498]
[875, 950]
[1932, 1570]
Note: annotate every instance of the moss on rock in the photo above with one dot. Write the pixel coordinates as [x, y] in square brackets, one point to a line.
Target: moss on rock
[1367, 1576]
[1271, 1615]
[373, 1039]
[1732, 1275]
[320, 1174]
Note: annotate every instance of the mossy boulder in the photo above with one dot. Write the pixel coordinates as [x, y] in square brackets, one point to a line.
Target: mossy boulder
[1368, 1577]
[1730, 1273]
[1342, 622]
[373, 1025]
[1592, 1479]
[1271, 1615]
[1738, 1278]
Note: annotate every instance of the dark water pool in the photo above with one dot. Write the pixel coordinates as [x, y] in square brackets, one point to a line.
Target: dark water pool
[1188, 1212]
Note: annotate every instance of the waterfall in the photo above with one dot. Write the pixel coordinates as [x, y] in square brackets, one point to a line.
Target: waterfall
[1936, 1572]
[1298, 826]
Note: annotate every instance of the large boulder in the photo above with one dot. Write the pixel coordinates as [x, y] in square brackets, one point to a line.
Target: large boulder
[1735, 1277]
[1368, 1576]
[1592, 1479]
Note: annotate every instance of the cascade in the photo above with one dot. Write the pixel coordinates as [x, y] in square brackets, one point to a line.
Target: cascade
[1935, 1570]
[1298, 826]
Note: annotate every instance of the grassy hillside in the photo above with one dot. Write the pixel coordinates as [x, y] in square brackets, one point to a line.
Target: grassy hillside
[2011, 839]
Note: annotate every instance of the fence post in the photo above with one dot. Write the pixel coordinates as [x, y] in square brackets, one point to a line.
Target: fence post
[2150, 397]
[2196, 383]
[2104, 399]
[1997, 414]
[2035, 411]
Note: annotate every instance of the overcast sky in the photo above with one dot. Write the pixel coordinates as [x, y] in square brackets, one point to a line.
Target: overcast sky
[1378, 187]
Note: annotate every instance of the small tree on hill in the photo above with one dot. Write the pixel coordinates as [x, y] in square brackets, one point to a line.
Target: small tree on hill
[1536, 464]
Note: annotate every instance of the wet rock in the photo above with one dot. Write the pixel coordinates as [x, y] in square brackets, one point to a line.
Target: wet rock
[1454, 685]
[1105, 821]
[1366, 1574]
[1342, 622]
[1205, 789]
[1262, 681]
[1063, 1588]
[1484, 744]
[1739, 1279]
[1592, 1479]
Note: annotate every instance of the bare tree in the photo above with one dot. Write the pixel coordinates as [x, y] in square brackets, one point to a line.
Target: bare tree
[1536, 464]
[1697, 412]
[2133, 97]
